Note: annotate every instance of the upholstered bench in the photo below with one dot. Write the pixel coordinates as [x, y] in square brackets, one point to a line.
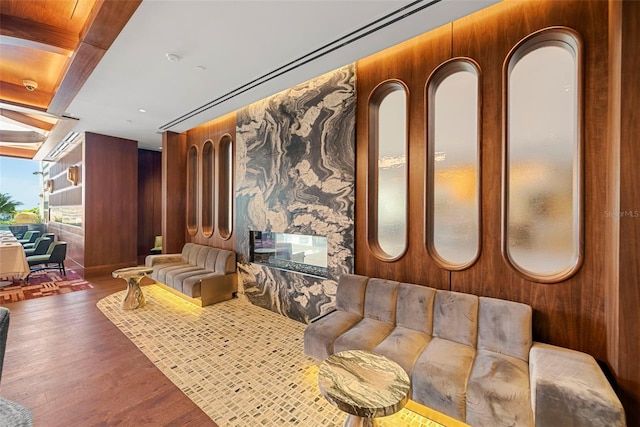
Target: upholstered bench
[471, 358]
[201, 274]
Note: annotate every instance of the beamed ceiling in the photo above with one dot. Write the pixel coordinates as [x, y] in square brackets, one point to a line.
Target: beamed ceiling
[56, 44]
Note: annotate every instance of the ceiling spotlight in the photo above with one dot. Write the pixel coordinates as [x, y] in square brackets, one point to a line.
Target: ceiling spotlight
[30, 85]
[173, 57]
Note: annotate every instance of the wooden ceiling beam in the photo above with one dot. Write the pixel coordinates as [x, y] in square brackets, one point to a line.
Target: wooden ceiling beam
[38, 34]
[26, 119]
[18, 95]
[21, 153]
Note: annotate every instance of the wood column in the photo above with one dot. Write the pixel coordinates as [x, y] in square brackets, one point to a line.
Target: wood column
[174, 186]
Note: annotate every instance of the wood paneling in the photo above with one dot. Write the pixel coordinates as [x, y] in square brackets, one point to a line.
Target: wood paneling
[411, 62]
[110, 202]
[149, 200]
[174, 184]
[628, 298]
[213, 131]
[576, 303]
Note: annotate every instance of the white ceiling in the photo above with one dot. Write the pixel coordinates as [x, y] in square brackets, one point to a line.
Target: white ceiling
[237, 42]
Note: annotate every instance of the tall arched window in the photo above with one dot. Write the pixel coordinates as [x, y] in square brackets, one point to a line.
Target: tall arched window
[192, 190]
[388, 167]
[208, 196]
[543, 171]
[225, 187]
[453, 191]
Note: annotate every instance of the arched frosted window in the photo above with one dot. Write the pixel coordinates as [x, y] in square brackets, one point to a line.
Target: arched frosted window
[387, 215]
[192, 190]
[453, 172]
[225, 187]
[207, 188]
[543, 194]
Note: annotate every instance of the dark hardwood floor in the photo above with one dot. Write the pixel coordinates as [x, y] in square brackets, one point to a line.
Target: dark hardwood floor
[72, 367]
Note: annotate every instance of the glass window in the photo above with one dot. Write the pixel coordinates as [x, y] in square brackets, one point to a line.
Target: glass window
[453, 232]
[225, 188]
[388, 170]
[207, 188]
[543, 167]
[192, 190]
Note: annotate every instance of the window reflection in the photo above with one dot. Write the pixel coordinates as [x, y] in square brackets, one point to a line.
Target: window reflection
[543, 151]
[453, 164]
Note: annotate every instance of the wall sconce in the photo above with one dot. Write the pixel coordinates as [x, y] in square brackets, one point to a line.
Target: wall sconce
[48, 185]
[72, 175]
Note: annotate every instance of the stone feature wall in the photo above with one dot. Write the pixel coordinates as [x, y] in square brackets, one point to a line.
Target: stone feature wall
[295, 164]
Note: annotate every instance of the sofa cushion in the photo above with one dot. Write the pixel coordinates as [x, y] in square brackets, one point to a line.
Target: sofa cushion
[504, 327]
[403, 346]
[439, 377]
[364, 335]
[498, 392]
[380, 300]
[191, 285]
[202, 256]
[350, 293]
[320, 335]
[179, 272]
[160, 271]
[225, 262]
[414, 307]
[568, 388]
[455, 317]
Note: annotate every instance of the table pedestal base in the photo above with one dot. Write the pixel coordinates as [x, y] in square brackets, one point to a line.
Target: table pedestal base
[356, 421]
[134, 297]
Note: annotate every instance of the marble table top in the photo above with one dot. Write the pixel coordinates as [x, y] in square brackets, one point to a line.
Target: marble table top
[125, 273]
[363, 383]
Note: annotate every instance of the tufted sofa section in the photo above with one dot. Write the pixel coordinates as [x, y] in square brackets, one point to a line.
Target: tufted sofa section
[203, 274]
[471, 358]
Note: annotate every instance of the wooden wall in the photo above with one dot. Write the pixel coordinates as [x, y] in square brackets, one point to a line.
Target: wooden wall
[487, 37]
[213, 131]
[149, 200]
[174, 184]
[111, 203]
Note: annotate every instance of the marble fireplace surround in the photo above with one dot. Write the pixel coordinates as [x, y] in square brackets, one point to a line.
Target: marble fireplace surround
[295, 173]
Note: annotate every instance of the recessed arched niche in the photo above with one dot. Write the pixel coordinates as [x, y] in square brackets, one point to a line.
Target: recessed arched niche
[453, 169]
[543, 151]
[225, 187]
[388, 171]
[192, 190]
[208, 196]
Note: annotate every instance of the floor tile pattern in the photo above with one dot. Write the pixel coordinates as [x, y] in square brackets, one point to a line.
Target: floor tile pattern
[242, 364]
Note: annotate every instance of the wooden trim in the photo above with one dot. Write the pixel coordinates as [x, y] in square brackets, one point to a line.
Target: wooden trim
[38, 35]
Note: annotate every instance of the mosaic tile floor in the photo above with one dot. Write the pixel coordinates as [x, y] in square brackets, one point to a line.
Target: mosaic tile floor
[242, 364]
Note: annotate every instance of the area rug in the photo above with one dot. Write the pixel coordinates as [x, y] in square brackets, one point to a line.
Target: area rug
[41, 284]
[242, 364]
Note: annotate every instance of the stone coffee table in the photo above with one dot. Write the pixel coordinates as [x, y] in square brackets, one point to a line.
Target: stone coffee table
[366, 385]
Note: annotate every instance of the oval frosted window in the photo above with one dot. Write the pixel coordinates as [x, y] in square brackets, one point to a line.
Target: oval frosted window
[388, 170]
[207, 188]
[543, 157]
[453, 232]
[192, 190]
[225, 188]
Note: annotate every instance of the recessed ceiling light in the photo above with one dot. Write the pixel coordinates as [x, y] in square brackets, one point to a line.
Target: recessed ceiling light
[173, 57]
[142, 110]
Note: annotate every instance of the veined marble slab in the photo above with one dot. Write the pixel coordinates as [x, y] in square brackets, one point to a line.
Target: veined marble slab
[295, 173]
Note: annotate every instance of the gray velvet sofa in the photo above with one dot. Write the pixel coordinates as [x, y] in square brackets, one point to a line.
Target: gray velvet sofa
[471, 358]
[201, 274]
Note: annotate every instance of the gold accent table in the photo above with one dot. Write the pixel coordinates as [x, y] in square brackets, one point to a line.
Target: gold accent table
[132, 275]
[363, 384]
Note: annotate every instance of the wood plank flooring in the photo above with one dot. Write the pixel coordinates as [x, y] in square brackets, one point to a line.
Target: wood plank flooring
[72, 367]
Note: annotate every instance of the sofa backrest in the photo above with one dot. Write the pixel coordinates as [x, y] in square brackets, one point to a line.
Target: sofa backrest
[350, 293]
[414, 307]
[380, 300]
[219, 260]
[225, 261]
[186, 251]
[505, 327]
[455, 317]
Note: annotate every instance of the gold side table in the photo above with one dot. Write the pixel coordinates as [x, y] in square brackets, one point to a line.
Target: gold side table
[132, 275]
